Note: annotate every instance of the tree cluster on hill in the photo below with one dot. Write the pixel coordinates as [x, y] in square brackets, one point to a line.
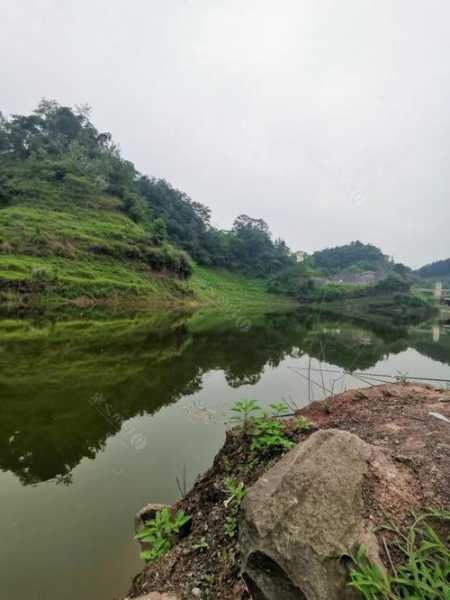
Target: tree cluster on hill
[356, 255]
[56, 155]
[293, 281]
[440, 268]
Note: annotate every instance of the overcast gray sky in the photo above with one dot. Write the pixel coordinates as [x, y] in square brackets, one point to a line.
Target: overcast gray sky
[329, 119]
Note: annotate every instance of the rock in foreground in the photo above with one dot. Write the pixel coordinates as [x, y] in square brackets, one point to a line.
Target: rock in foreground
[302, 518]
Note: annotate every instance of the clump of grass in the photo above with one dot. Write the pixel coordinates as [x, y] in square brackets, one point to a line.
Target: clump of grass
[424, 573]
[269, 434]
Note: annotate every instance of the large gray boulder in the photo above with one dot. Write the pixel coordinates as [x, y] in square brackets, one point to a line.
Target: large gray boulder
[302, 518]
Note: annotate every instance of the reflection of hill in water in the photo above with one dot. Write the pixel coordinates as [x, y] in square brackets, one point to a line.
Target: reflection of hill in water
[49, 379]
[438, 348]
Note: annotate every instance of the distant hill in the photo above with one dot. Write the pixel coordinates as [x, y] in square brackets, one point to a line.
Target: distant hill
[440, 268]
[355, 256]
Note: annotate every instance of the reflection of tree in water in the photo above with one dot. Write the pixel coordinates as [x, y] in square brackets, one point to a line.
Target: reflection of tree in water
[236, 381]
[48, 421]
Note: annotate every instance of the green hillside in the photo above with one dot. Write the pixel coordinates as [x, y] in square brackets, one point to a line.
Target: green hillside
[82, 259]
[75, 256]
[82, 230]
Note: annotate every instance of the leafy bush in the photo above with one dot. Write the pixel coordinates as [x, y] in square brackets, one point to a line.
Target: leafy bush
[292, 281]
[161, 533]
[244, 410]
[268, 434]
[413, 301]
[392, 283]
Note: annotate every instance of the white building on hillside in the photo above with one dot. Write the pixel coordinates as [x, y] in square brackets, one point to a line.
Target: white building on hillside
[300, 256]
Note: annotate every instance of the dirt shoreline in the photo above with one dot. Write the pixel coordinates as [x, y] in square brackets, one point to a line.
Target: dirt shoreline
[402, 419]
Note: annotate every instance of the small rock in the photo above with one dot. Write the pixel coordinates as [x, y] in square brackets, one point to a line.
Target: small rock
[146, 514]
[196, 592]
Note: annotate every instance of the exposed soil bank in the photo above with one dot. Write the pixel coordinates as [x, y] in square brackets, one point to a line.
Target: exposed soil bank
[402, 419]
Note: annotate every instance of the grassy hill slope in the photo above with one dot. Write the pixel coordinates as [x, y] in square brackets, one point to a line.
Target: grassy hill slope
[70, 259]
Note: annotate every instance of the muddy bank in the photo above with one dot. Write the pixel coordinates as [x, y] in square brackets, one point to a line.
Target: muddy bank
[405, 422]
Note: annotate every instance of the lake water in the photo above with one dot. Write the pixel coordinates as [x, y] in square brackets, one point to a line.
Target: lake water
[98, 419]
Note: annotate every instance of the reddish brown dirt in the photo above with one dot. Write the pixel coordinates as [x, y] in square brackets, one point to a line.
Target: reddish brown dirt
[395, 417]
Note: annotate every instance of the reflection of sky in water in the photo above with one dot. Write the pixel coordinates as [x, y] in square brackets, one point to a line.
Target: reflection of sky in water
[79, 536]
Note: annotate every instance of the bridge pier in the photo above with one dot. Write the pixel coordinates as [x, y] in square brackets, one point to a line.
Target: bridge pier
[438, 291]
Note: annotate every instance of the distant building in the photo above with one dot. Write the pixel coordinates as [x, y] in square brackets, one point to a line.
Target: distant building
[362, 278]
[367, 277]
[300, 256]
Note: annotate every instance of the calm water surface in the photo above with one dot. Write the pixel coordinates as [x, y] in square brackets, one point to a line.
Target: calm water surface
[97, 419]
